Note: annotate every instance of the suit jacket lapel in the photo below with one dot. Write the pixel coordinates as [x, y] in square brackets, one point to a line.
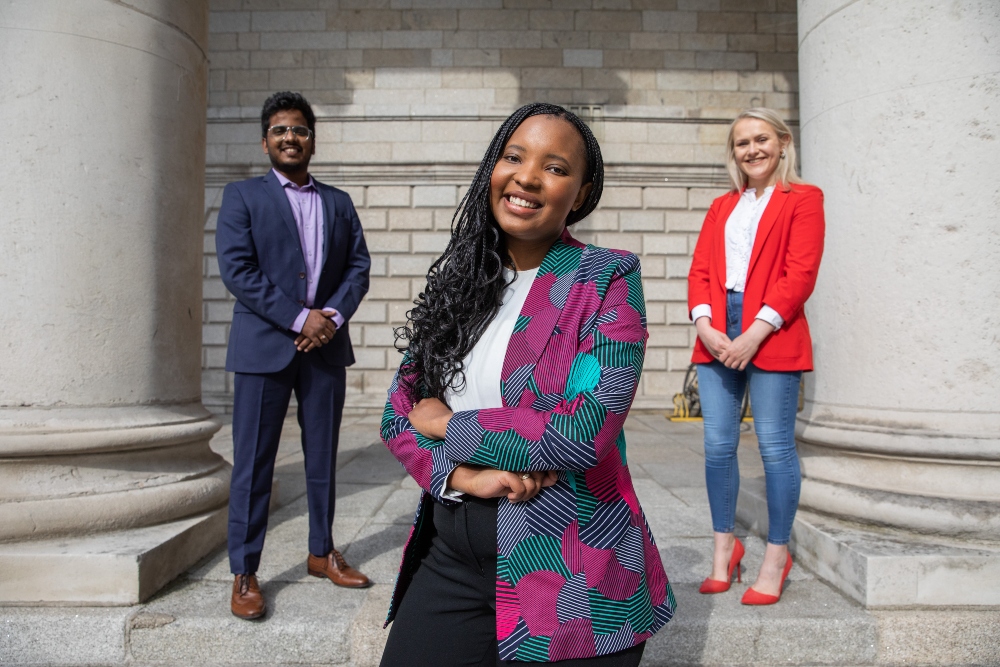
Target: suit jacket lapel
[329, 215]
[771, 212]
[725, 210]
[536, 323]
[273, 187]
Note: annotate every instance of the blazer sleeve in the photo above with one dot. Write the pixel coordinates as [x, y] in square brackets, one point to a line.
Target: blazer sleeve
[586, 423]
[699, 276]
[239, 265]
[414, 451]
[788, 293]
[354, 281]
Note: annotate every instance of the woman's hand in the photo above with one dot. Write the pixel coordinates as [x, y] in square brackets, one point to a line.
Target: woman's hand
[430, 417]
[715, 340]
[491, 483]
[740, 351]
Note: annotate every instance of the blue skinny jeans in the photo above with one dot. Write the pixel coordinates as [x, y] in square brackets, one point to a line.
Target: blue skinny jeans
[774, 398]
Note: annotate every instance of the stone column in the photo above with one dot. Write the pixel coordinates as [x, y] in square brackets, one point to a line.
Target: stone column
[108, 487]
[900, 435]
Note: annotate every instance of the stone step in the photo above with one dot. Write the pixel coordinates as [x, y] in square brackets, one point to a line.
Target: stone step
[316, 624]
[311, 622]
[305, 624]
[884, 568]
[808, 626]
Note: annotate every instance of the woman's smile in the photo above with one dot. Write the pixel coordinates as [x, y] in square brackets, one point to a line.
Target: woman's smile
[521, 202]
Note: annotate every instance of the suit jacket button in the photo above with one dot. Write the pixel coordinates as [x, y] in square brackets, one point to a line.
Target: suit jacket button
[301, 302]
[302, 275]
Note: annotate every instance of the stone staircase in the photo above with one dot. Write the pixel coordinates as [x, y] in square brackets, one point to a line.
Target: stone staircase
[310, 622]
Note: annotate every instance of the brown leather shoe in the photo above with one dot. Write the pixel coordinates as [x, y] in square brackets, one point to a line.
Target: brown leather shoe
[247, 601]
[335, 568]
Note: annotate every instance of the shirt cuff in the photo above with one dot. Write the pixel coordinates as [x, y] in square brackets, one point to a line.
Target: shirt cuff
[701, 310]
[337, 318]
[771, 316]
[300, 321]
[449, 493]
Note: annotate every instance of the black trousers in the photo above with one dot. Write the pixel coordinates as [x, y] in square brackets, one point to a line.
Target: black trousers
[447, 618]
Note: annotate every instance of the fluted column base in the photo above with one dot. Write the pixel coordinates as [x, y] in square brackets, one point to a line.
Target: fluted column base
[105, 505]
[75, 470]
[876, 470]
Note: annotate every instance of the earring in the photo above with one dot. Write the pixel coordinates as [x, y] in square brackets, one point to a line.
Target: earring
[782, 155]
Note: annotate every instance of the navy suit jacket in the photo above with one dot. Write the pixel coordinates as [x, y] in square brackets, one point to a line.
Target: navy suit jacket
[260, 257]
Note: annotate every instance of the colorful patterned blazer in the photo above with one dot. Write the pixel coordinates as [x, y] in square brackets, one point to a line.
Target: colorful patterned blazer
[578, 572]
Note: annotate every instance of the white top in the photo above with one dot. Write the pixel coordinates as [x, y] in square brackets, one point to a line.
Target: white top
[484, 364]
[741, 231]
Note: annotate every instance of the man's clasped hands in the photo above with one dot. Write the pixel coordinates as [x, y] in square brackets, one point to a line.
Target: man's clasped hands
[318, 330]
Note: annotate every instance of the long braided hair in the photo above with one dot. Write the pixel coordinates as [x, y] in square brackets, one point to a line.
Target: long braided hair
[465, 285]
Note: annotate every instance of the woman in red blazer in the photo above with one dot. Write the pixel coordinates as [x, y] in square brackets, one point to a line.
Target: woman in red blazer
[754, 266]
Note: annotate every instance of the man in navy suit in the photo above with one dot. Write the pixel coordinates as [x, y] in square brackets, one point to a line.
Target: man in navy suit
[292, 252]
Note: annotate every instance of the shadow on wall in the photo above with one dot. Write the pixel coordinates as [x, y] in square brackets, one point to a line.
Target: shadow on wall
[415, 90]
[572, 85]
[584, 91]
[369, 121]
[363, 114]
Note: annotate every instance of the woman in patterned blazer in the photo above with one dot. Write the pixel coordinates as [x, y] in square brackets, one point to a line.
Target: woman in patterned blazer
[522, 358]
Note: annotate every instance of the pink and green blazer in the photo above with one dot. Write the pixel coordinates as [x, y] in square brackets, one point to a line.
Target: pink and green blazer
[578, 572]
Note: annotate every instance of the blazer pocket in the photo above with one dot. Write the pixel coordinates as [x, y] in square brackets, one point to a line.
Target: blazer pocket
[234, 329]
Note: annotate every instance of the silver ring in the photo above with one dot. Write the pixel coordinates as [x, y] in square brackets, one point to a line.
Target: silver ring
[525, 476]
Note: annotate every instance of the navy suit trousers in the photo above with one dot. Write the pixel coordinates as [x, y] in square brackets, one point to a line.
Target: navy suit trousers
[259, 409]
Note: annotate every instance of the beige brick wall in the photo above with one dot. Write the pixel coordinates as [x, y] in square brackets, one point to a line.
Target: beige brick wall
[409, 92]
[694, 57]
[656, 222]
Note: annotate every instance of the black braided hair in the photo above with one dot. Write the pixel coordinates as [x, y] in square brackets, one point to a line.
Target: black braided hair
[465, 284]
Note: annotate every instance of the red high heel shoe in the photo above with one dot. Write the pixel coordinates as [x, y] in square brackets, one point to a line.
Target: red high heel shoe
[753, 597]
[716, 586]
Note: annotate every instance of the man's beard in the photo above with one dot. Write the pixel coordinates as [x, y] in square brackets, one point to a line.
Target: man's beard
[300, 168]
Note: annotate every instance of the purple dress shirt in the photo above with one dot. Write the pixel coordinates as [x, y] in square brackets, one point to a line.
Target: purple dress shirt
[307, 209]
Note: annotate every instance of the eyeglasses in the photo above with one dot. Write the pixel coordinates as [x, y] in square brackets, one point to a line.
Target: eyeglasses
[278, 131]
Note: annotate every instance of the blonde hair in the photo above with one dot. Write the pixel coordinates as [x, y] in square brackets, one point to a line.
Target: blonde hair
[785, 173]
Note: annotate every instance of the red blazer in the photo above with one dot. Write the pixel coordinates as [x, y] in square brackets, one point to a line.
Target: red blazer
[781, 274]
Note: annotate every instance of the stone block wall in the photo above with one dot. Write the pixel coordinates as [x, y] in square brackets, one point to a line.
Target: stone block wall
[408, 94]
[706, 57]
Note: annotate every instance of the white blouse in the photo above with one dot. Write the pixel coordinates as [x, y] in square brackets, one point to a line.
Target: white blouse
[741, 231]
[484, 364]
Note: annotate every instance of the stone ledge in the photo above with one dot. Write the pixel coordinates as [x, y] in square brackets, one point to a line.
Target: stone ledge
[707, 176]
[117, 568]
[883, 568]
